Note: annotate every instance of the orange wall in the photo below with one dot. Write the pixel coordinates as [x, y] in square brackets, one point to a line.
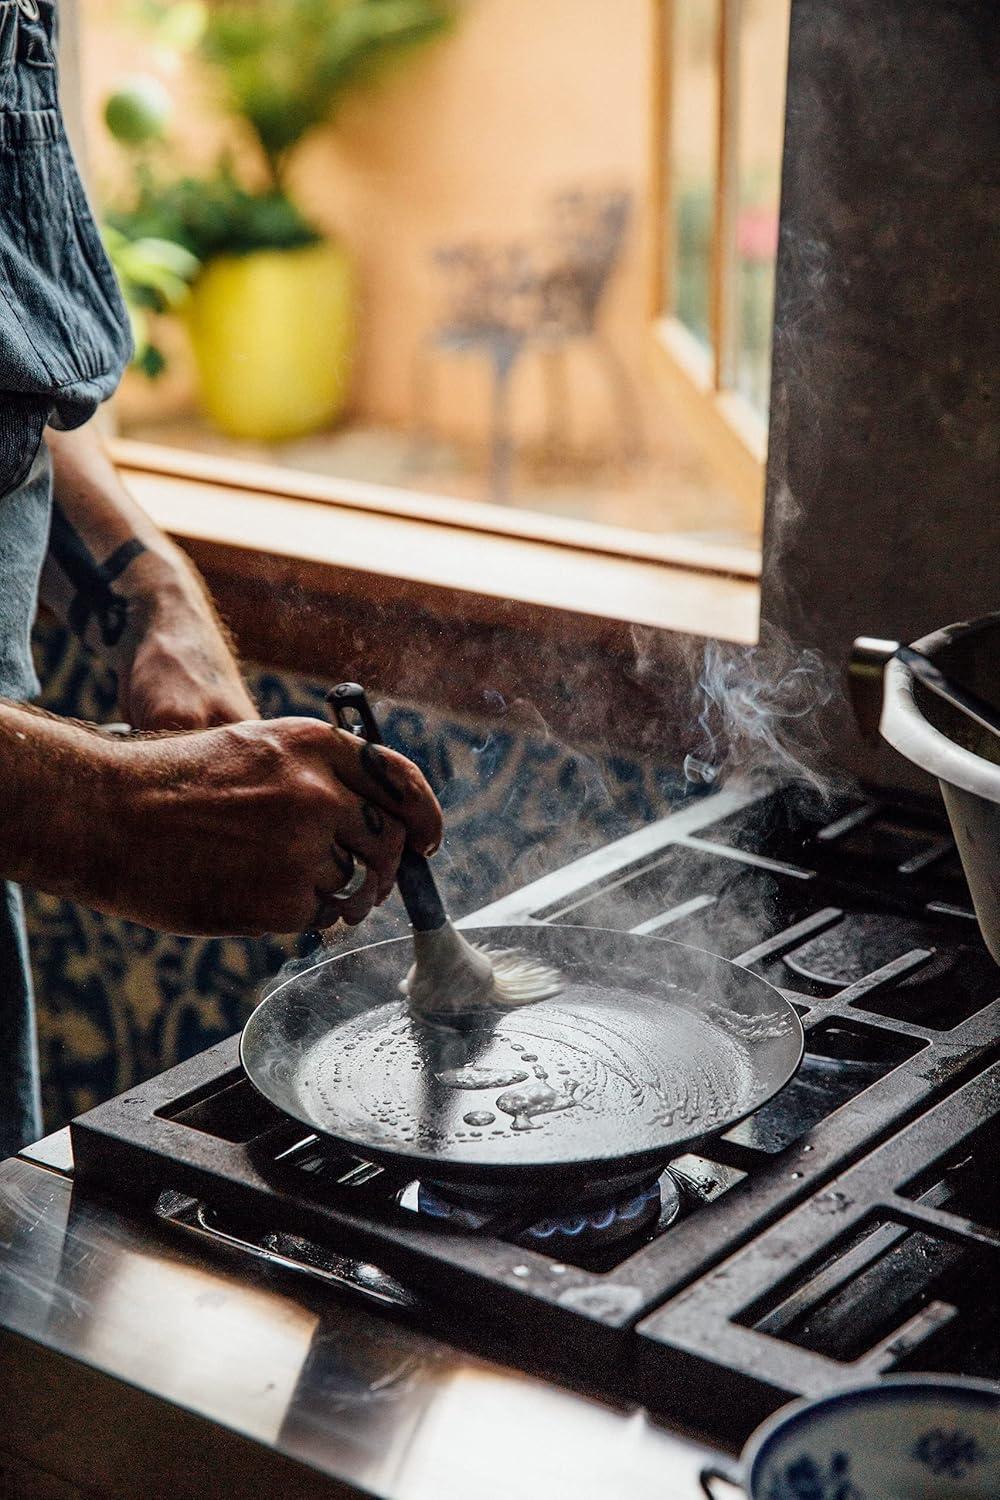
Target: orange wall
[465, 140]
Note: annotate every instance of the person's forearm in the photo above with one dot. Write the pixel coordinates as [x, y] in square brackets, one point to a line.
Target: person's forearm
[108, 564]
[129, 593]
[54, 813]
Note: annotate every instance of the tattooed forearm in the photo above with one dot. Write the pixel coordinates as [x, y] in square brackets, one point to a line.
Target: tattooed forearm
[93, 598]
[377, 765]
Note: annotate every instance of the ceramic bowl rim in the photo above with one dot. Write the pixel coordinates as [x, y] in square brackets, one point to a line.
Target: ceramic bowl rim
[965, 1388]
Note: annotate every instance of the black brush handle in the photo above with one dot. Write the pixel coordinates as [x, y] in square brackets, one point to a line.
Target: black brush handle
[423, 903]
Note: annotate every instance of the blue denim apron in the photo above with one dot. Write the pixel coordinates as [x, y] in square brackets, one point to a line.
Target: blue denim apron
[64, 342]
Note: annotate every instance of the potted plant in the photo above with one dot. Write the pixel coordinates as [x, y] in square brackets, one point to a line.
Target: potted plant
[155, 276]
[271, 313]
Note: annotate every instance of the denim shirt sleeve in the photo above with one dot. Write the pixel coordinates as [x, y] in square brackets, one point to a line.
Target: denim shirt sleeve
[64, 331]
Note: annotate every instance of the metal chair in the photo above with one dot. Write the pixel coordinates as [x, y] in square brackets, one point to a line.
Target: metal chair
[587, 235]
[506, 299]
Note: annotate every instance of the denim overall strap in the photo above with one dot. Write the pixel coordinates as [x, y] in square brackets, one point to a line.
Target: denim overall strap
[64, 331]
[20, 1102]
[64, 342]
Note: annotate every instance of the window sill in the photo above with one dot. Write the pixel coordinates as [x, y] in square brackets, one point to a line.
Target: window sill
[444, 613]
[282, 482]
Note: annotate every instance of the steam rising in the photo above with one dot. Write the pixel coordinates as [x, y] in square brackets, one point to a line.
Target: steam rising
[756, 712]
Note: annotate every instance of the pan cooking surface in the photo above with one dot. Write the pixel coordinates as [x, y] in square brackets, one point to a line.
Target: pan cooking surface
[650, 1045]
[573, 1078]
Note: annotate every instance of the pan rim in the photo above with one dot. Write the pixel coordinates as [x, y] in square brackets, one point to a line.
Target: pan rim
[525, 1172]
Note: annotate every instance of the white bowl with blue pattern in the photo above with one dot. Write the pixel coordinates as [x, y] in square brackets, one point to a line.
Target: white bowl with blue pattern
[920, 1437]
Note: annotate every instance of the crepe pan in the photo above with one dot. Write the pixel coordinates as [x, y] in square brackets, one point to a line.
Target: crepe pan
[651, 1047]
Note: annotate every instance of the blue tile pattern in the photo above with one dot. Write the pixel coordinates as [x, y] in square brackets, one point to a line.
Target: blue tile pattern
[118, 1003]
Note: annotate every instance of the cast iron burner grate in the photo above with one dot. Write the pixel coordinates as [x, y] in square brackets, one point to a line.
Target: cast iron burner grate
[893, 1266]
[859, 915]
[863, 941]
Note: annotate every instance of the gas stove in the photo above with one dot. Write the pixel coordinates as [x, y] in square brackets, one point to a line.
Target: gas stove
[846, 1228]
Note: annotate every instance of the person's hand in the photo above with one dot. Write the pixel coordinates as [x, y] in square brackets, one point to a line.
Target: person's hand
[177, 669]
[254, 827]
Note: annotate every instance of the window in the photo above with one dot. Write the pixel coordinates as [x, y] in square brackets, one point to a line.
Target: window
[722, 98]
[499, 207]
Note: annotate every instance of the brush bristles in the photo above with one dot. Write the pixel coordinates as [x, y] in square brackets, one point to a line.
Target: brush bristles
[451, 976]
[520, 979]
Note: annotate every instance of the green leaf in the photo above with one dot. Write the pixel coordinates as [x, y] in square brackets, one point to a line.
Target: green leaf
[286, 65]
[215, 216]
[151, 362]
[168, 255]
[365, 36]
[154, 272]
[155, 276]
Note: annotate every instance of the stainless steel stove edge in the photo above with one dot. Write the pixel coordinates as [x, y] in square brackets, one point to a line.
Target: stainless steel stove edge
[135, 1368]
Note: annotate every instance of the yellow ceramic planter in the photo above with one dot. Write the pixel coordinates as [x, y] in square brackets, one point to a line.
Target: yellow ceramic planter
[273, 340]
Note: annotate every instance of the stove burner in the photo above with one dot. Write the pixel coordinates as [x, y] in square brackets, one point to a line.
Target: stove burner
[609, 1222]
[589, 1226]
[433, 1205]
[861, 943]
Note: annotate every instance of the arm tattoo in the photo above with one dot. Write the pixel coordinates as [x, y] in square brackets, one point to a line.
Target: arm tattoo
[92, 580]
[377, 766]
[374, 819]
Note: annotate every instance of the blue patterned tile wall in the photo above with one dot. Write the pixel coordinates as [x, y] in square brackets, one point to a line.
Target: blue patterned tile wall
[118, 1003]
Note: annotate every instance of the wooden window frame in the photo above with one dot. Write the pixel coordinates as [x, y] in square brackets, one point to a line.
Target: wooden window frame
[730, 432]
[709, 589]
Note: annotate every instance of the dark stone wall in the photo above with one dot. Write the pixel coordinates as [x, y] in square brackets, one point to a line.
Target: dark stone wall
[883, 498]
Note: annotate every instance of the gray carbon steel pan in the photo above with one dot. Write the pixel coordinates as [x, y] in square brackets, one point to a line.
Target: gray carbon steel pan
[651, 1046]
